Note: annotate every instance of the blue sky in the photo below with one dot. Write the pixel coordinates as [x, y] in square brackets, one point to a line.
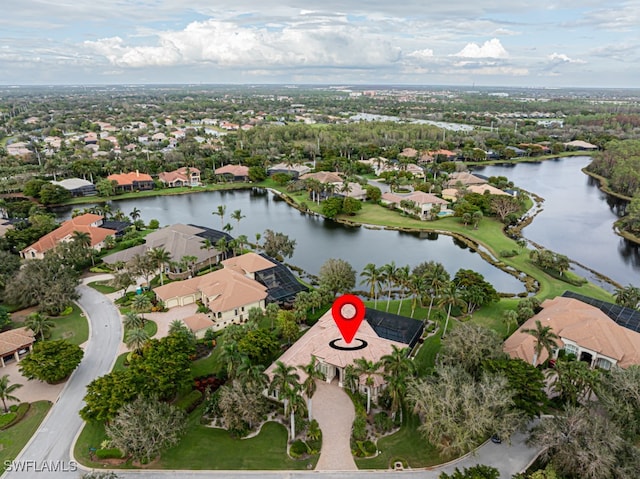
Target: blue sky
[547, 43]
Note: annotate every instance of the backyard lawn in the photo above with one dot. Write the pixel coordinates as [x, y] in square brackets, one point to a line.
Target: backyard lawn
[73, 327]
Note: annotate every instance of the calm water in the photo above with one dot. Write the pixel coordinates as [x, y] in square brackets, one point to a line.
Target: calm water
[577, 217]
[316, 239]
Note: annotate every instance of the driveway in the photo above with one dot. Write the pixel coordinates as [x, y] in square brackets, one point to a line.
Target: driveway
[334, 411]
[52, 442]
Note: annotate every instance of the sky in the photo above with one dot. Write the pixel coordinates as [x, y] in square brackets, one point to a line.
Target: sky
[543, 43]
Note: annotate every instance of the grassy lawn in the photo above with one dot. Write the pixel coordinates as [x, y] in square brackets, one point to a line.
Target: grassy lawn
[150, 327]
[73, 327]
[208, 365]
[406, 445]
[102, 287]
[208, 448]
[12, 440]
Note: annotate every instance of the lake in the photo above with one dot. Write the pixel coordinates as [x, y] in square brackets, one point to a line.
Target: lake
[317, 239]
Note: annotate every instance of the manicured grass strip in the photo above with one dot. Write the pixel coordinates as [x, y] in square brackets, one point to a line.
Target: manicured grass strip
[209, 365]
[406, 445]
[102, 287]
[13, 439]
[73, 327]
[150, 327]
[208, 448]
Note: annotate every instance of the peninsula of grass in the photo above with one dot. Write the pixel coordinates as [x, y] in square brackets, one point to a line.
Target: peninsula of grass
[73, 327]
[13, 439]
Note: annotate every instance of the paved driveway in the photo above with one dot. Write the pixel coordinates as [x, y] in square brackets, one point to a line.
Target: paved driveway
[334, 411]
[53, 441]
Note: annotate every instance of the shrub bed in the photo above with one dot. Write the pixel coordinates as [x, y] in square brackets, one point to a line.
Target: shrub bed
[110, 453]
[190, 401]
[298, 449]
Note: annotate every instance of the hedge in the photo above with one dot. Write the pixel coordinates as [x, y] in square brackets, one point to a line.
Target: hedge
[19, 414]
[111, 453]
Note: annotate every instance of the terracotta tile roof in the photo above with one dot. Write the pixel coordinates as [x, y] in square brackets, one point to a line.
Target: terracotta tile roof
[14, 340]
[316, 342]
[126, 179]
[247, 263]
[323, 177]
[482, 188]
[419, 197]
[235, 170]
[225, 288]
[465, 178]
[198, 322]
[581, 323]
[80, 223]
[179, 174]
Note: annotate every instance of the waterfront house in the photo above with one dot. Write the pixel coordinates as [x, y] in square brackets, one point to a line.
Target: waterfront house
[185, 176]
[233, 172]
[133, 181]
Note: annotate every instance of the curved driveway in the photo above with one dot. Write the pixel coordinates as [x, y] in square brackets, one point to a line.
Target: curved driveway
[52, 442]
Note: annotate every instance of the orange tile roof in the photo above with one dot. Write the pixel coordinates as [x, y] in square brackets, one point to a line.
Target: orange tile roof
[235, 170]
[323, 177]
[125, 179]
[581, 323]
[80, 223]
[15, 339]
[247, 263]
[198, 322]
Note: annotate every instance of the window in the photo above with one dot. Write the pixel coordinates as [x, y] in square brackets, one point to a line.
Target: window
[235, 312]
[603, 363]
[571, 349]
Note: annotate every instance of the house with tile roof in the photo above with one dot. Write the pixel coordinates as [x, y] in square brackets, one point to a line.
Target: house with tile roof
[583, 330]
[185, 176]
[199, 324]
[324, 341]
[464, 178]
[424, 202]
[227, 293]
[323, 177]
[233, 172]
[87, 223]
[295, 170]
[132, 181]
[14, 344]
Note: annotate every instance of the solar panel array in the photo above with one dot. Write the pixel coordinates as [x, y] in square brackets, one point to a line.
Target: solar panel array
[627, 317]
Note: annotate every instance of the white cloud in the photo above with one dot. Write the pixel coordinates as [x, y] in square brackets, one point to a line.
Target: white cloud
[562, 58]
[489, 49]
[227, 44]
[425, 54]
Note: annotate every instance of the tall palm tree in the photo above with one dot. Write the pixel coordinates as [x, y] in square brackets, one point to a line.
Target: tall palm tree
[252, 374]
[449, 298]
[136, 338]
[545, 339]
[81, 238]
[415, 285]
[222, 209]
[372, 278]
[132, 321]
[401, 278]
[292, 404]
[237, 215]
[222, 245]
[135, 214]
[510, 316]
[284, 379]
[141, 304]
[389, 272]
[39, 324]
[436, 278]
[208, 245]
[368, 368]
[398, 369]
[5, 391]
[231, 357]
[309, 385]
[161, 256]
[350, 378]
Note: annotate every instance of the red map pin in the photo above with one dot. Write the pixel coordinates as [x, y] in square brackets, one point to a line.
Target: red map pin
[348, 312]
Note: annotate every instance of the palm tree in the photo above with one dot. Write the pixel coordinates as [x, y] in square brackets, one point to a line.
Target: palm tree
[389, 272]
[190, 262]
[309, 385]
[141, 304]
[293, 402]
[161, 256]
[450, 297]
[435, 278]
[401, 278]
[509, 316]
[135, 214]
[373, 278]
[6, 390]
[252, 374]
[350, 378]
[415, 285]
[132, 321]
[237, 215]
[231, 357]
[284, 379]
[398, 369]
[208, 245]
[136, 338]
[545, 339]
[222, 209]
[81, 238]
[39, 324]
[369, 368]
[222, 245]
